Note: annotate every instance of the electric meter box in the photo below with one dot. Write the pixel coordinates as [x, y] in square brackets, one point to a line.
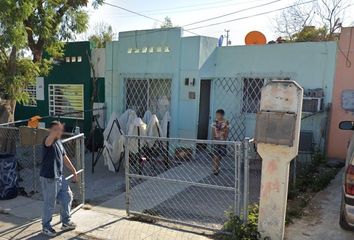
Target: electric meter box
[279, 113]
[275, 128]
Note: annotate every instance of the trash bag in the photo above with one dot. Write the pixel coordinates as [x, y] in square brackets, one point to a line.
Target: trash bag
[8, 176]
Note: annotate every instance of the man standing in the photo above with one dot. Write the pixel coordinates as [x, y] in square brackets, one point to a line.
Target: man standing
[54, 186]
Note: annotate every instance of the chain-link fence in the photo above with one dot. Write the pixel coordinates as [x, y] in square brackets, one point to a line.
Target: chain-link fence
[25, 145]
[187, 181]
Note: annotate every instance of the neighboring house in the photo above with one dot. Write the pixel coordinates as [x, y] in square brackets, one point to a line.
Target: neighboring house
[160, 70]
[343, 95]
[67, 90]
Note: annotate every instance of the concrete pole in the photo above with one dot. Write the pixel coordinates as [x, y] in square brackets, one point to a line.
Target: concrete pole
[277, 136]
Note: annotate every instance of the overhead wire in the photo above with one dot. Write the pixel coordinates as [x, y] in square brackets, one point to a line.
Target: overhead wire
[232, 13]
[250, 16]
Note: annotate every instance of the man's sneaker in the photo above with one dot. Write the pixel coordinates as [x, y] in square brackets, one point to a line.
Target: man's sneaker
[49, 232]
[68, 226]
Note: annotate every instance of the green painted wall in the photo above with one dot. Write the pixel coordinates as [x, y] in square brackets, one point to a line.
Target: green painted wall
[67, 73]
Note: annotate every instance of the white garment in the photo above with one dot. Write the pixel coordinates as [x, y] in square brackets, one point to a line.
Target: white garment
[164, 124]
[153, 130]
[136, 128]
[125, 120]
[147, 116]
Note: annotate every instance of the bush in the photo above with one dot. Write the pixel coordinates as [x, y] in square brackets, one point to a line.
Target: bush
[239, 230]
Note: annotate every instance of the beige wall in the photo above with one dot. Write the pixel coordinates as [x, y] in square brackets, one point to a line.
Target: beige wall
[344, 80]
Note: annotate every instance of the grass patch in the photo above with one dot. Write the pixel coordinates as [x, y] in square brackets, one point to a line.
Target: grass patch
[239, 229]
[314, 178]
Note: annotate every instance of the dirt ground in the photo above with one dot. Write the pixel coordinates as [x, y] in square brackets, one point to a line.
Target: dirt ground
[322, 217]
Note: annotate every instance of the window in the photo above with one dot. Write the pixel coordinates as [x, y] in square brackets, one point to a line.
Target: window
[166, 49]
[67, 59]
[151, 49]
[73, 59]
[79, 59]
[148, 94]
[32, 93]
[252, 94]
[130, 50]
[159, 49]
[66, 100]
[144, 50]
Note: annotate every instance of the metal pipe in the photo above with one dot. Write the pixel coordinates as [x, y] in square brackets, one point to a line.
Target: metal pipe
[72, 175]
[82, 159]
[246, 180]
[182, 182]
[194, 141]
[127, 179]
[73, 138]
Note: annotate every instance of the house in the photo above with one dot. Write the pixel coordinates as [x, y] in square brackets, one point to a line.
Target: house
[343, 95]
[191, 77]
[67, 90]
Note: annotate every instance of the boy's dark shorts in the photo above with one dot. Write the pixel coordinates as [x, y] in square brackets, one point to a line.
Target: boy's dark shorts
[220, 150]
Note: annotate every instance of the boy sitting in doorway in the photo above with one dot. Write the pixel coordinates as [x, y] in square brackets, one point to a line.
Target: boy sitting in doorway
[220, 131]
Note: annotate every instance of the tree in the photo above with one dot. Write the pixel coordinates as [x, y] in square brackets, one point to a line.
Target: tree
[292, 20]
[32, 27]
[325, 15]
[167, 23]
[102, 34]
[311, 34]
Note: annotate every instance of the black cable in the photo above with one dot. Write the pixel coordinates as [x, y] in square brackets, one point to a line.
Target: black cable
[142, 15]
[250, 16]
[232, 13]
[348, 62]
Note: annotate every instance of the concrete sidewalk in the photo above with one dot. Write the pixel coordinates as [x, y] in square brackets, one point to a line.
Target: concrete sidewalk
[322, 218]
[99, 222]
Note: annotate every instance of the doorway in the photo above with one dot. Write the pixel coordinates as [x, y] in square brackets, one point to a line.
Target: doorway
[204, 109]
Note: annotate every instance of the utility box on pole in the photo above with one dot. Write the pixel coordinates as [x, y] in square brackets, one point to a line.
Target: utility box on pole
[277, 137]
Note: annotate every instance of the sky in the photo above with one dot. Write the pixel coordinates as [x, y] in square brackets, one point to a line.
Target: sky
[183, 12]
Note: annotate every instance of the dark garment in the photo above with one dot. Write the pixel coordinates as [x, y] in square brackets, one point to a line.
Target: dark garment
[220, 150]
[52, 160]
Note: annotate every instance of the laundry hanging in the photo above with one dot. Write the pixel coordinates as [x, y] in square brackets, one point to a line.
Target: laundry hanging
[153, 130]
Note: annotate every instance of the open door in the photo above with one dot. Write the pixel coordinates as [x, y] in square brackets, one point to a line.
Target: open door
[204, 109]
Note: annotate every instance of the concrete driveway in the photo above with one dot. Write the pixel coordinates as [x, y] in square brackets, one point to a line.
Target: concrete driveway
[321, 220]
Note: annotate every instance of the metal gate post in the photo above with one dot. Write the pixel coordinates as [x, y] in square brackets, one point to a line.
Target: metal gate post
[246, 179]
[237, 178]
[82, 160]
[127, 179]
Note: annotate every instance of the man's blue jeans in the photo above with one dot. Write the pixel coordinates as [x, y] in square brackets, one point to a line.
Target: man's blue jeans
[55, 189]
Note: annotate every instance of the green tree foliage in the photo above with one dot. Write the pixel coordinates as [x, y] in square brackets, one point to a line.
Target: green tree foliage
[103, 33]
[167, 23]
[295, 23]
[28, 28]
[311, 34]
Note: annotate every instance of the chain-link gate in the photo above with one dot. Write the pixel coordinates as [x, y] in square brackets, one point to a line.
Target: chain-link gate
[26, 144]
[173, 180]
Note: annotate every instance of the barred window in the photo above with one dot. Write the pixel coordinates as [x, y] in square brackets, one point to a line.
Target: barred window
[66, 100]
[147, 94]
[32, 94]
[252, 88]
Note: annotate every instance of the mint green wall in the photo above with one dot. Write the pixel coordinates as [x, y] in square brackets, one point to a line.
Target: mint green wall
[67, 73]
[312, 65]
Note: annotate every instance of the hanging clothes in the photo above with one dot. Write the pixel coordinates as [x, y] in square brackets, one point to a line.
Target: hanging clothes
[164, 124]
[153, 130]
[147, 116]
[137, 128]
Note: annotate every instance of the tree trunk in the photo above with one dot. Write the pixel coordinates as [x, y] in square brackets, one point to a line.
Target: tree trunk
[7, 136]
[7, 111]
